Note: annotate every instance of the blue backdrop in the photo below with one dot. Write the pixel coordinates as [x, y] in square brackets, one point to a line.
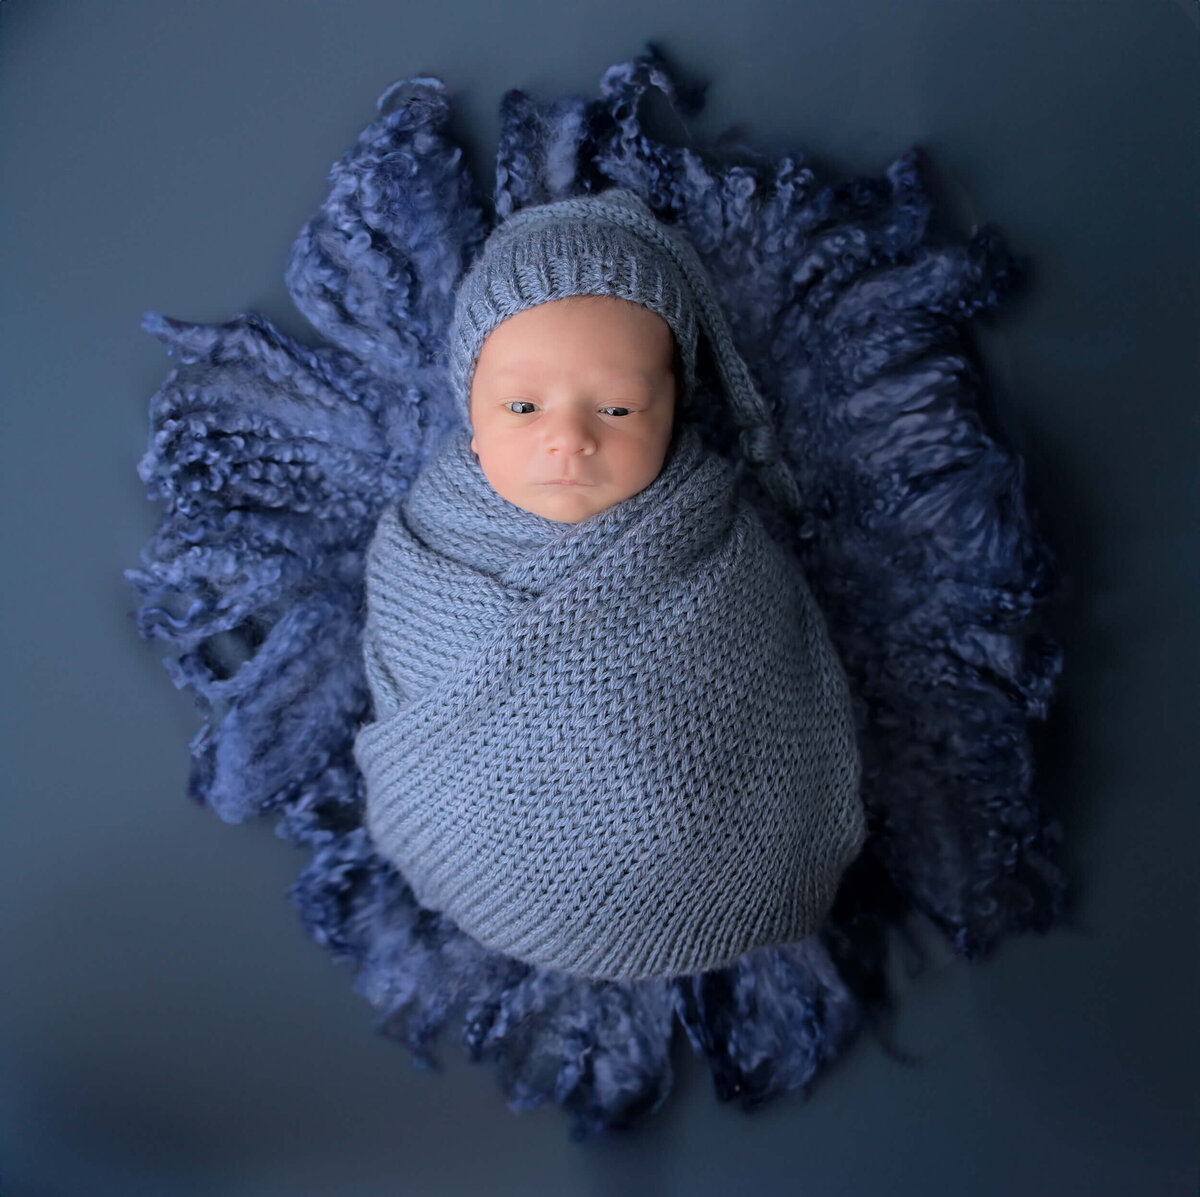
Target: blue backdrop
[167, 1027]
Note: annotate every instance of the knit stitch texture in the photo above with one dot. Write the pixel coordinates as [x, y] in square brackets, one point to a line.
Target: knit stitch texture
[622, 748]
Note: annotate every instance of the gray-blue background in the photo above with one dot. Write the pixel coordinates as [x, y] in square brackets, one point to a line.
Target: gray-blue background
[166, 1026]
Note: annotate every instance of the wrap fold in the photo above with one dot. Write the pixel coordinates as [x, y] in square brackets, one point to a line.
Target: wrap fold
[622, 748]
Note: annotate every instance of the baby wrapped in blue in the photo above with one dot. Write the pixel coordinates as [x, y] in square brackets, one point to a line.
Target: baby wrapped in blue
[277, 461]
[611, 734]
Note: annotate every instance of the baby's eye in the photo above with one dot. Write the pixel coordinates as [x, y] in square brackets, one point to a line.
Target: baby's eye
[617, 411]
[519, 403]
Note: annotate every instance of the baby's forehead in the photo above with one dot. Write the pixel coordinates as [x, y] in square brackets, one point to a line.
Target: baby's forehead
[597, 334]
[536, 368]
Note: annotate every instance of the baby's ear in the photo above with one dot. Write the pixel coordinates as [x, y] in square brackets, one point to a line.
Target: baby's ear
[473, 448]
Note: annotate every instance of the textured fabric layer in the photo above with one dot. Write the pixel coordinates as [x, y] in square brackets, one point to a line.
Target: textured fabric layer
[622, 748]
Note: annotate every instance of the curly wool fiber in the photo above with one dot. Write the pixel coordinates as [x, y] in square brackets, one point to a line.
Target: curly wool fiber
[273, 462]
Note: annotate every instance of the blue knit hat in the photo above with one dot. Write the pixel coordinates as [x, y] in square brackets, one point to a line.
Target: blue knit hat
[611, 244]
[558, 250]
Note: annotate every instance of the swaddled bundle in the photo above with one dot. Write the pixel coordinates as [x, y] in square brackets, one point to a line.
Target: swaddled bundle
[620, 747]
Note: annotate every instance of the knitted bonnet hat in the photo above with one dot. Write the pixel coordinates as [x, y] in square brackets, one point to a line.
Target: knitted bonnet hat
[611, 244]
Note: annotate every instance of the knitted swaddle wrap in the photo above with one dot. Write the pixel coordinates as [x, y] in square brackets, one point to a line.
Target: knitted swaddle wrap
[623, 747]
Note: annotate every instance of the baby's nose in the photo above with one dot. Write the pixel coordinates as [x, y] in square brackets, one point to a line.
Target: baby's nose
[570, 434]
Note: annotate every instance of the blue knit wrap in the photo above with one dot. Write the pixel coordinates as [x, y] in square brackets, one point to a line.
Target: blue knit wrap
[622, 748]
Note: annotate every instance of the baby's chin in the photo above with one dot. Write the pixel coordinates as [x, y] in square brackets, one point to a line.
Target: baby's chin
[568, 504]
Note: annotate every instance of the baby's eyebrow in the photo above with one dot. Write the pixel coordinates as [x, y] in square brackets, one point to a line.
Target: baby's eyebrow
[625, 377]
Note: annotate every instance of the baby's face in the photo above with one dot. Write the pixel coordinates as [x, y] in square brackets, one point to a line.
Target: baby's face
[572, 405]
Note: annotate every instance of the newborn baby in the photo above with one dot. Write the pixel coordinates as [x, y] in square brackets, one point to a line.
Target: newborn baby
[611, 735]
[573, 403]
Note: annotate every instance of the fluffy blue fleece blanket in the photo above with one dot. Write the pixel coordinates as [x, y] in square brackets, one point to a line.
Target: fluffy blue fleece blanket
[273, 460]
